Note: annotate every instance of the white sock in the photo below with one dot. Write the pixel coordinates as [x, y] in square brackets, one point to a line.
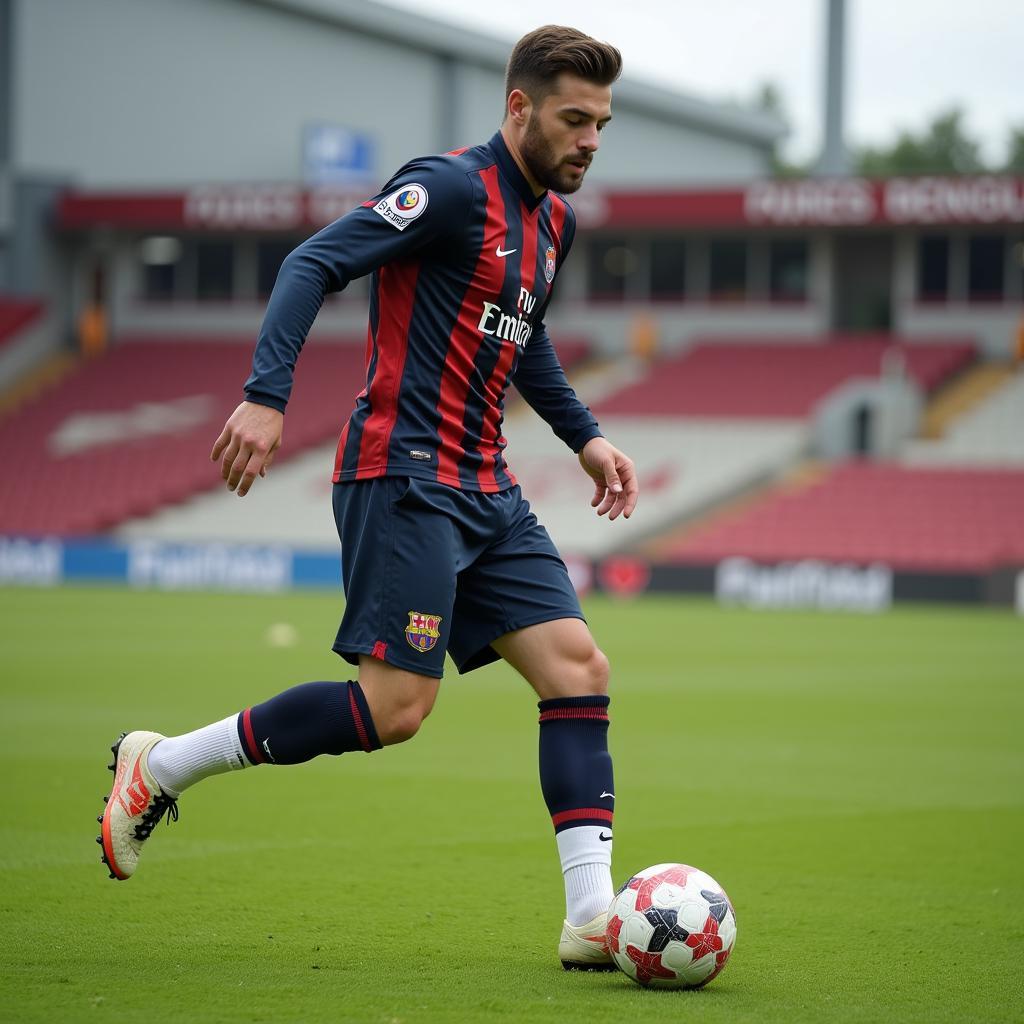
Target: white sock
[588, 892]
[181, 761]
[587, 871]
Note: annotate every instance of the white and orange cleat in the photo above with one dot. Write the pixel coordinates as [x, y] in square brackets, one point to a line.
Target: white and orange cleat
[585, 948]
[135, 805]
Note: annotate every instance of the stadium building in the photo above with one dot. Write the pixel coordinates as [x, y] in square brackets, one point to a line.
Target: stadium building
[158, 160]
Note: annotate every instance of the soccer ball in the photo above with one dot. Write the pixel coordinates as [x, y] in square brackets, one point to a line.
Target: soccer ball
[671, 926]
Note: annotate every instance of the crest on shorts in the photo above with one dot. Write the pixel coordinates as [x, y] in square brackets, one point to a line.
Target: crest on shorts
[549, 264]
[423, 631]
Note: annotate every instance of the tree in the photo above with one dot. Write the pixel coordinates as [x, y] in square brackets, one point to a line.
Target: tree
[943, 148]
[1015, 151]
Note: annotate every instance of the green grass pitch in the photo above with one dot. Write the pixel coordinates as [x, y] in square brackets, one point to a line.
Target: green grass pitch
[856, 783]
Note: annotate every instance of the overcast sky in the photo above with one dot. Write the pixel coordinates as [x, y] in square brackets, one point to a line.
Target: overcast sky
[907, 59]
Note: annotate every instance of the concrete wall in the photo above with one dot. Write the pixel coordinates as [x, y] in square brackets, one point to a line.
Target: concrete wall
[641, 150]
[995, 329]
[152, 93]
[146, 93]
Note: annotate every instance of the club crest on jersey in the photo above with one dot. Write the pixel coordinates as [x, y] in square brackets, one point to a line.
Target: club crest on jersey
[423, 631]
[403, 206]
[549, 264]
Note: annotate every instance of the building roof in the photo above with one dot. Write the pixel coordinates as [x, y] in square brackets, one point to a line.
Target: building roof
[407, 28]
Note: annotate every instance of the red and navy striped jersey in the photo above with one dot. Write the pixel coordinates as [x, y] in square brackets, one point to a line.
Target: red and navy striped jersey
[463, 257]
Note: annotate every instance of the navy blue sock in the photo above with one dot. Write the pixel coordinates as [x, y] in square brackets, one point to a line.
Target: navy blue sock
[575, 766]
[307, 720]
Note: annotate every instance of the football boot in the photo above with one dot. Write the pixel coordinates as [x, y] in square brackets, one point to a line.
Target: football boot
[585, 948]
[135, 804]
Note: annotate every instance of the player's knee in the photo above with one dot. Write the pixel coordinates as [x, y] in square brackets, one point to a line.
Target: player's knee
[598, 672]
[587, 673]
[399, 729]
[401, 723]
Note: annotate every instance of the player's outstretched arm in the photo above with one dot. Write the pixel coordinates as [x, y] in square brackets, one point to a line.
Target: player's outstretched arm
[247, 445]
[616, 488]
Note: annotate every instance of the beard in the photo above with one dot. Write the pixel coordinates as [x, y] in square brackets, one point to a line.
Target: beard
[543, 162]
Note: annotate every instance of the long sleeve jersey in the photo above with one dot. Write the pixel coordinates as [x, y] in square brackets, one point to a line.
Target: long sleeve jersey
[463, 257]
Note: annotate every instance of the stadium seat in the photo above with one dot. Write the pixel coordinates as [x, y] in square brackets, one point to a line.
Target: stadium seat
[907, 518]
[777, 378]
[132, 431]
[16, 313]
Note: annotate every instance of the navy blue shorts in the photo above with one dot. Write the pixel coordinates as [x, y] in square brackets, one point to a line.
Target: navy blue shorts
[428, 568]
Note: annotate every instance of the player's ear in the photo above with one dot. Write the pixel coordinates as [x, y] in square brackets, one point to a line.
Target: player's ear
[518, 107]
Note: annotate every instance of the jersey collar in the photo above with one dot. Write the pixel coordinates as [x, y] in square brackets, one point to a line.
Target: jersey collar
[510, 171]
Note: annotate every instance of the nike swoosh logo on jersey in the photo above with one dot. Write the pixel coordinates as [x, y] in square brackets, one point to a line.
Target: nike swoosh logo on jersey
[504, 252]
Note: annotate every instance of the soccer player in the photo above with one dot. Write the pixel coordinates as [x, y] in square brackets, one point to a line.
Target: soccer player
[464, 249]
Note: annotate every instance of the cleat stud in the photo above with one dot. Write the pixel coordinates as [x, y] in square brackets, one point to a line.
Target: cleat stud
[106, 798]
[99, 819]
[110, 767]
[113, 749]
[112, 875]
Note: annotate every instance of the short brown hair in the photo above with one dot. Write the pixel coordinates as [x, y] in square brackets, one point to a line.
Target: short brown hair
[543, 54]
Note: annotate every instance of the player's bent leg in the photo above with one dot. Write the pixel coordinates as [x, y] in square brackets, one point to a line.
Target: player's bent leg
[570, 674]
[398, 700]
[151, 771]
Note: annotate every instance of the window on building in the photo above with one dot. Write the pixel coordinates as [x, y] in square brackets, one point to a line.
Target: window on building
[727, 269]
[215, 269]
[932, 268]
[668, 268]
[270, 254]
[160, 256]
[787, 269]
[611, 264]
[985, 268]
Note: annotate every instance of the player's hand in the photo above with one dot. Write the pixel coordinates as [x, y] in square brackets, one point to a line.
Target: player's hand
[247, 445]
[615, 484]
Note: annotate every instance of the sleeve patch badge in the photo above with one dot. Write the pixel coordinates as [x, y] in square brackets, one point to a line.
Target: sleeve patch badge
[403, 206]
[423, 631]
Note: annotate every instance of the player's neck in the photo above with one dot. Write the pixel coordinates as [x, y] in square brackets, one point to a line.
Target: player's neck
[513, 148]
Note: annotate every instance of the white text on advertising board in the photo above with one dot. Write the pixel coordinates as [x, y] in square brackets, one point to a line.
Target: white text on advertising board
[852, 201]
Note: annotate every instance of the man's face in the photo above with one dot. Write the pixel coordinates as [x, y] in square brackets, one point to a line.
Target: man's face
[561, 134]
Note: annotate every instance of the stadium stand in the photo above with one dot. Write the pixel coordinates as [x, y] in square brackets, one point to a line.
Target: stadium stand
[684, 466]
[573, 351]
[778, 378]
[15, 315]
[908, 518]
[122, 436]
[131, 431]
[690, 466]
[989, 434]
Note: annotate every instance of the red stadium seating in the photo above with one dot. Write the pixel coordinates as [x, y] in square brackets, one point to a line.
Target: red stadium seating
[67, 476]
[71, 476]
[910, 519]
[572, 350]
[16, 313]
[747, 379]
